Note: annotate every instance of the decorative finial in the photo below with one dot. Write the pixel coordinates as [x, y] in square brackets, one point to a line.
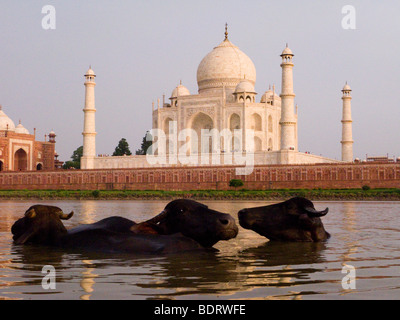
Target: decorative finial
[180, 82]
[226, 31]
[1, 107]
[287, 45]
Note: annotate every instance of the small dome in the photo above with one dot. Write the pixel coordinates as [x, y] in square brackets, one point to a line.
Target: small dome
[245, 86]
[21, 129]
[180, 90]
[287, 51]
[5, 120]
[346, 87]
[90, 72]
[269, 95]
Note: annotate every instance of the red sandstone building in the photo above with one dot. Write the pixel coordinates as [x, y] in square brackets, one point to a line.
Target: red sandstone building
[19, 150]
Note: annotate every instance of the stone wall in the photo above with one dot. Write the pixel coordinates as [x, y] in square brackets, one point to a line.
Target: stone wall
[329, 176]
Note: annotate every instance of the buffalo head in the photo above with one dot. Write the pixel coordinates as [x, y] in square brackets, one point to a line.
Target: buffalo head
[293, 220]
[41, 225]
[195, 220]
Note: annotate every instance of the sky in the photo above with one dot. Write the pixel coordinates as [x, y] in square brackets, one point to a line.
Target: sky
[141, 50]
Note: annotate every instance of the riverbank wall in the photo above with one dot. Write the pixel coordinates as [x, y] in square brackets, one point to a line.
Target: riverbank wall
[323, 176]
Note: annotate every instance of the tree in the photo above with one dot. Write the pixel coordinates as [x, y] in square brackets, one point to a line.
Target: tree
[122, 148]
[236, 183]
[77, 154]
[75, 161]
[146, 143]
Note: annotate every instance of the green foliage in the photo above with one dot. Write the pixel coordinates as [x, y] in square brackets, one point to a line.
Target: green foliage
[75, 161]
[366, 188]
[271, 194]
[71, 165]
[146, 143]
[96, 193]
[236, 183]
[77, 154]
[122, 148]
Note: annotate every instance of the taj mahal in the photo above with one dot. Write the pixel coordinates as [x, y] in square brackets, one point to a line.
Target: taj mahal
[226, 101]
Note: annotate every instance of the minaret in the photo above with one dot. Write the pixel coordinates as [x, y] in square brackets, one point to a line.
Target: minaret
[347, 132]
[89, 127]
[288, 119]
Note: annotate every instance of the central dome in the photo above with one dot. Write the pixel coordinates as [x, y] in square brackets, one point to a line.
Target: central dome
[226, 65]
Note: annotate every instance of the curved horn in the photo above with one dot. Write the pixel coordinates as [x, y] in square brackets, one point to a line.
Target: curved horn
[31, 213]
[64, 216]
[314, 213]
[158, 217]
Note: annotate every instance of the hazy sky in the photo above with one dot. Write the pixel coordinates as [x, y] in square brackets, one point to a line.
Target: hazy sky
[140, 50]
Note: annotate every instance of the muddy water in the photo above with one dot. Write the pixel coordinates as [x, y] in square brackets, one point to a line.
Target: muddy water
[365, 235]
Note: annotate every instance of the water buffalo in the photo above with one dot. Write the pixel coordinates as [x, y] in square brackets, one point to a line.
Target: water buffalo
[293, 220]
[182, 225]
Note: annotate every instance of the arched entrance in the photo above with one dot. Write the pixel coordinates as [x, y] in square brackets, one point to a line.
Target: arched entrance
[1, 166]
[20, 160]
[256, 121]
[199, 122]
[39, 167]
[257, 144]
[169, 146]
[270, 146]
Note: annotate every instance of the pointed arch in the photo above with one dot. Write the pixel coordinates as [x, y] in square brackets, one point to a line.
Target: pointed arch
[270, 124]
[256, 122]
[270, 145]
[257, 144]
[234, 121]
[200, 121]
[20, 160]
[166, 124]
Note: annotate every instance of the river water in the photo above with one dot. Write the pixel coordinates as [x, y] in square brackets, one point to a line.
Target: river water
[360, 261]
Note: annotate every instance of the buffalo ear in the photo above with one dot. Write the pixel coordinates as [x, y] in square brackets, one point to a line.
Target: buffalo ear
[30, 214]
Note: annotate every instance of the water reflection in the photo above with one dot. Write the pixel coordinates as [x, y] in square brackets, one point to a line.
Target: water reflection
[87, 214]
[349, 237]
[87, 282]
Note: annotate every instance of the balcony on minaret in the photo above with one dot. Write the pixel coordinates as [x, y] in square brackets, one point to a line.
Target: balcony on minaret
[287, 56]
[90, 75]
[346, 91]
